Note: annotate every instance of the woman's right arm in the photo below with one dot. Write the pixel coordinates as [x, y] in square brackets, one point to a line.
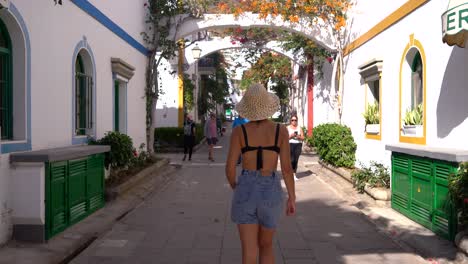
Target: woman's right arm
[285, 158]
[233, 155]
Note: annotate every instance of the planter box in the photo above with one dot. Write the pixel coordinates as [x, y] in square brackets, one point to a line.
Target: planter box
[413, 130]
[380, 194]
[373, 129]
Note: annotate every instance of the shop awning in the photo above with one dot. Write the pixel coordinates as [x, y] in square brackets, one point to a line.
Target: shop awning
[455, 23]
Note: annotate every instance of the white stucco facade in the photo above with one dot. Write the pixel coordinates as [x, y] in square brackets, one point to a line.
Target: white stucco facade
[445, 90]
[45, 49]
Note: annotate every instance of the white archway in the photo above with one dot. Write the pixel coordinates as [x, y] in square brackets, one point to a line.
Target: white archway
[211, 46]
[320, 32]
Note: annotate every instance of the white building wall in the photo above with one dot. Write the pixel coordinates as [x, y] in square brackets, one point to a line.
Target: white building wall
[324, 96]
[167, 107]
[446, 89]
[129, 15]
[54, 35]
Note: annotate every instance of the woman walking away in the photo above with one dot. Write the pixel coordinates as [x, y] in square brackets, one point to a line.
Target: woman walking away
[296, 136]
[189, 137]
[211, 132]
[258, 197]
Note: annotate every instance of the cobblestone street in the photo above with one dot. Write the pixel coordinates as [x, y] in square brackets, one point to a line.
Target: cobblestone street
[189, 222]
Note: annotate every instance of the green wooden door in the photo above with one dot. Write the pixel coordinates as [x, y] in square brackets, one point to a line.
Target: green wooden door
[443, 221]
[95, 181]
[401, 183]
[421, 191]
[56, 200]
[116, 106]
[74, 190]
[77, 172]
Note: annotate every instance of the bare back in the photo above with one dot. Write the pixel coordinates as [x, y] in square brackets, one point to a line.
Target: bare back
[261, 133]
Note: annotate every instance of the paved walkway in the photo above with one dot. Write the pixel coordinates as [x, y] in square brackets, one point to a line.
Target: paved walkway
[189, 222]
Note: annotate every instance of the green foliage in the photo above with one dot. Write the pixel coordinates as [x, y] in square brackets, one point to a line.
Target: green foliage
[458, 190]
[189, 87]
[314, 54]
[141, 157]
[335, 144]
[122, 151]
[371, 115]
[414, 116]
[308, 139]
[375, 175]
[167, 137]
[268, 66]
[281, 89]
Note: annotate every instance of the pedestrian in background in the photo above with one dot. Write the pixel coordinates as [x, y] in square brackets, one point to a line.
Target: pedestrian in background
[258, 195]
[211, 133]
[189, 137]
[296, 136]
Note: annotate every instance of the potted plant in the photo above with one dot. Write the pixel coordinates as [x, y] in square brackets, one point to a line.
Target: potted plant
[372, 118]
[413, 121]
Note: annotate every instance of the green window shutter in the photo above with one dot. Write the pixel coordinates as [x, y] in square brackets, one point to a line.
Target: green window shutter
[77, 189]
[417, 81]
[116, 106]
[95, 182]
[6, 92]
[57, 206]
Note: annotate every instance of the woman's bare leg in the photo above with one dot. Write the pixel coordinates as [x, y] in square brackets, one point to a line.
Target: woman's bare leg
[249, 239]
[265, 242]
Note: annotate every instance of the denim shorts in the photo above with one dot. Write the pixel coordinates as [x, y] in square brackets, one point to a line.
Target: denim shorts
[257, 199]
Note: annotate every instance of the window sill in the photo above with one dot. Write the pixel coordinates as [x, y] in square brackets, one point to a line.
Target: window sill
[8, 146]
[373, 131]
[80, 140]
[373, 136]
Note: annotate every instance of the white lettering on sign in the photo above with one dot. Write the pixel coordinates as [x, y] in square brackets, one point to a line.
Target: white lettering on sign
[454, 20]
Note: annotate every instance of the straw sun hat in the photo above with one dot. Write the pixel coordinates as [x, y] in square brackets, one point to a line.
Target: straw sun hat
[257, 103]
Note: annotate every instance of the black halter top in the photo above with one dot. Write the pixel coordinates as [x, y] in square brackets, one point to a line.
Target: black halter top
[260, 149]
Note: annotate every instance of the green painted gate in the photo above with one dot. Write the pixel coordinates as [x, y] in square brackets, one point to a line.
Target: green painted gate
[74, 190]
[420, 192]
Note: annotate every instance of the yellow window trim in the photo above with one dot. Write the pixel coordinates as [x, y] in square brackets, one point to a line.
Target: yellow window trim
[416, 44]
[406, 9]
[373, 136]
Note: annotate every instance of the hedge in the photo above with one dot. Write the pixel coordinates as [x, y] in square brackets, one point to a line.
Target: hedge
[335, 144]
[173, 137]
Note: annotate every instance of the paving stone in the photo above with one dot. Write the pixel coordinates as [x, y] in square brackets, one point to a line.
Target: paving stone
[189, 222]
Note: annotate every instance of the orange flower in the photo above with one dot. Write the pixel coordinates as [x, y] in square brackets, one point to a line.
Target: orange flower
[294, 18]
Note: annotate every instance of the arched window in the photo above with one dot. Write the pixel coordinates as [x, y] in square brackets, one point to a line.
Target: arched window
[412, 93]
[6, 93]
[83, 97]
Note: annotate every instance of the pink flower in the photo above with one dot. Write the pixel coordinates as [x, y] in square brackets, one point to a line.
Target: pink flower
[135, 153]
[329, 59]
[465, 200]
[233, 42]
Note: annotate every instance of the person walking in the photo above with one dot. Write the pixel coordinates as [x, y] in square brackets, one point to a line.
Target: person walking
[257, 198]
[211, 135]
[296, 136]
[189, 137]
[240, 120]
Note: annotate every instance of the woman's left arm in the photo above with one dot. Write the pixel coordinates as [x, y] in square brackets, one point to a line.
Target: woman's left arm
[301, 134]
